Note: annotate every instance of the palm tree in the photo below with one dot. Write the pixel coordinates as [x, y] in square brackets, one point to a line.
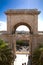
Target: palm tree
[37, 58]
[6, 55]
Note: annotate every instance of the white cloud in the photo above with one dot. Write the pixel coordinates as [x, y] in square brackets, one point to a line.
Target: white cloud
[22, 28]
[40, 25]
[3, 26]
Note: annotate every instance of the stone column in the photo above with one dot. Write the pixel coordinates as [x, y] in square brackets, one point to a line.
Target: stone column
[31, 51]
[14, 45]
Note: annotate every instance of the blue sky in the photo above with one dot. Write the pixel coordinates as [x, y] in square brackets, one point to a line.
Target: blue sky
[21, 4]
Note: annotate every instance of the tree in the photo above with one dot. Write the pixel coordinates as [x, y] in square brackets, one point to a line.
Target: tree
[6, 55]
[37, 58]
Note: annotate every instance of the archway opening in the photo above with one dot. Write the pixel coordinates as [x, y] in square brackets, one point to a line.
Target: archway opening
[22, 45]
[22, 27]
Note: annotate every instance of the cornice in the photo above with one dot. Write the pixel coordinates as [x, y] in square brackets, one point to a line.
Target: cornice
[22, 11]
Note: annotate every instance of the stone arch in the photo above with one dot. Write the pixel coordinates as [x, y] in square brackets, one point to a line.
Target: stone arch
[22, 23]
[29, 17]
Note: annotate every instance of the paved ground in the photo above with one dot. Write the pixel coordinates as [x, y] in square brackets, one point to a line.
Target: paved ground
[20, 59]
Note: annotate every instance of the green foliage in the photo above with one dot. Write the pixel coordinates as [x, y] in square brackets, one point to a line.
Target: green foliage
[37, 58]
[19, 42]
[22, 43]
[6, 55]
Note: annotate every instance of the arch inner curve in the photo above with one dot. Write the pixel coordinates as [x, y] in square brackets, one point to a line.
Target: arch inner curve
[21, 24]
